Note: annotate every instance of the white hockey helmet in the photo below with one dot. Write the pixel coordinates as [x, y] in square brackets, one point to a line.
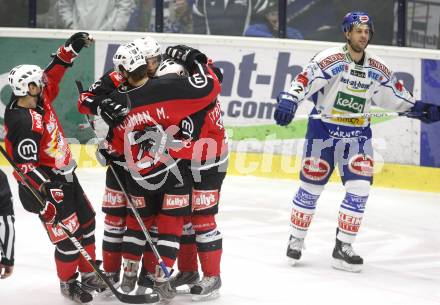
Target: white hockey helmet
[169, 66]
[21, 76]
[129, 56]
[149, 46]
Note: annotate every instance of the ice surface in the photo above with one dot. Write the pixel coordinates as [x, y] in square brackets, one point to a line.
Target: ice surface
[399, 241]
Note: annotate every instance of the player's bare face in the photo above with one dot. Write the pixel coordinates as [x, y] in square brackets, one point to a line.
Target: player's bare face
[152, 65]
[358, 37]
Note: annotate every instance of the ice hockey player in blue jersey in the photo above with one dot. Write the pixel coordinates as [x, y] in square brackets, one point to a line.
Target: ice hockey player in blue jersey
[342, 80]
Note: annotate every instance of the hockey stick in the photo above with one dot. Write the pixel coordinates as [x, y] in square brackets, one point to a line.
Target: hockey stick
[129, 200]
[125, 298]
[365, 115]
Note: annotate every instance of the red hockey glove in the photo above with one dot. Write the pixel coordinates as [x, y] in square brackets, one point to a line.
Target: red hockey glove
[73, 46]
[53, 209]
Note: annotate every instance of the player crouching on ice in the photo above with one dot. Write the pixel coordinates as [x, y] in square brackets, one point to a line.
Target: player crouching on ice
[340, 81]
[35, 141]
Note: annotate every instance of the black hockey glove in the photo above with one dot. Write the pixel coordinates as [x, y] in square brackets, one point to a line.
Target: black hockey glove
[104, 157]
[112, 111]
[427, 113]
[187, 56]
[77, 41]
[52, 212]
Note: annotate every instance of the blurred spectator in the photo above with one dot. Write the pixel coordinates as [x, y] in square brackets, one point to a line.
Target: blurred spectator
[105, 15]
[320, 19]
[223, 17]
[177, 17]
[15, 13]
[267, 25]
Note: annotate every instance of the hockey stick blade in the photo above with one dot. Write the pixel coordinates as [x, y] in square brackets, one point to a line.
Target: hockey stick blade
[125, 298]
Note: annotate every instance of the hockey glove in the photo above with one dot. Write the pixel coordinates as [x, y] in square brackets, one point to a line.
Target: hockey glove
[111, 111]
[427, 113]
[286, 108]
[73, 46]
[77, 41]
[104, 157]
[186, 55]
[53, 208]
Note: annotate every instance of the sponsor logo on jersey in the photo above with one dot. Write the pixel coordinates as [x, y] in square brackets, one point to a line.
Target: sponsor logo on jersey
[357, 73]
[175, 201]
[203, 200]
[338, 69]
[57, 195]
[113, 199]
[361, 165]
[349, 223]
[56, 234]
[330, 60]
[300, 219]
[37, 121]
[27, 149]
[355, 86]
[302, 78]
[138, 202]
[349, 103]
[379, 66]
[315, 169]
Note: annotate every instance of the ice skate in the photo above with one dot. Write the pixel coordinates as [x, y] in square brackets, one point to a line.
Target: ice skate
[164, 290]
[294, 249]
[73, 290]
[344, 258]
[130, 275]
[207, 288]
[185, 278]
[144, 282]
[91, 282]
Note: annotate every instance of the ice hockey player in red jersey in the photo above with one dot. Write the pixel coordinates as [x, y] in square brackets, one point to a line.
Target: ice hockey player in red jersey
[114, 204]
[209, 160]
[36, 143]
[159, 183]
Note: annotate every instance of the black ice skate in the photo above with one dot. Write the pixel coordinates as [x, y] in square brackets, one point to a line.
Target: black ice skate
[144, 282]
[207, 288]
[294, 249]
[130, 275]
[164, 290]
[73, 290]
[185, 278]
[91, 282]
[344, 258]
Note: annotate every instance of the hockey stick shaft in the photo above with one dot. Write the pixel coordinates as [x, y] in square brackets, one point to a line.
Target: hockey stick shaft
[359, 115]
[129, 200]
[125, 298]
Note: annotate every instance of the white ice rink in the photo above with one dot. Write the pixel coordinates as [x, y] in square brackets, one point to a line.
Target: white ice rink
[399, 241]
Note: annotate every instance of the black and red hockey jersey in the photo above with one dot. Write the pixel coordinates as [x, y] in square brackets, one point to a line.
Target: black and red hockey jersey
[161, 103]
[34, 136]
[88, 101]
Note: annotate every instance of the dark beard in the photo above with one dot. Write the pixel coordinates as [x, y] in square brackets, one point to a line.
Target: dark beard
[358, 50]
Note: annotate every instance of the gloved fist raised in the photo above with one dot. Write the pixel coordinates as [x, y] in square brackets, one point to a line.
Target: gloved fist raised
[427, 113]
[53, 208]
[287, 104]
[73, 46]
[187, 56]
[111, 111]
[77, 41]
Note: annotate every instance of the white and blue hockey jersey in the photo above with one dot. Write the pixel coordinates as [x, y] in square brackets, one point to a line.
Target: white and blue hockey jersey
[338, 85]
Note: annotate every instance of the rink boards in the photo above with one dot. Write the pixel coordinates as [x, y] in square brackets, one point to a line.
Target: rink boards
[407, 153]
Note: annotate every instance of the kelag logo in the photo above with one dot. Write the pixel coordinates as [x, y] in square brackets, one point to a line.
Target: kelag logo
[349, 103]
